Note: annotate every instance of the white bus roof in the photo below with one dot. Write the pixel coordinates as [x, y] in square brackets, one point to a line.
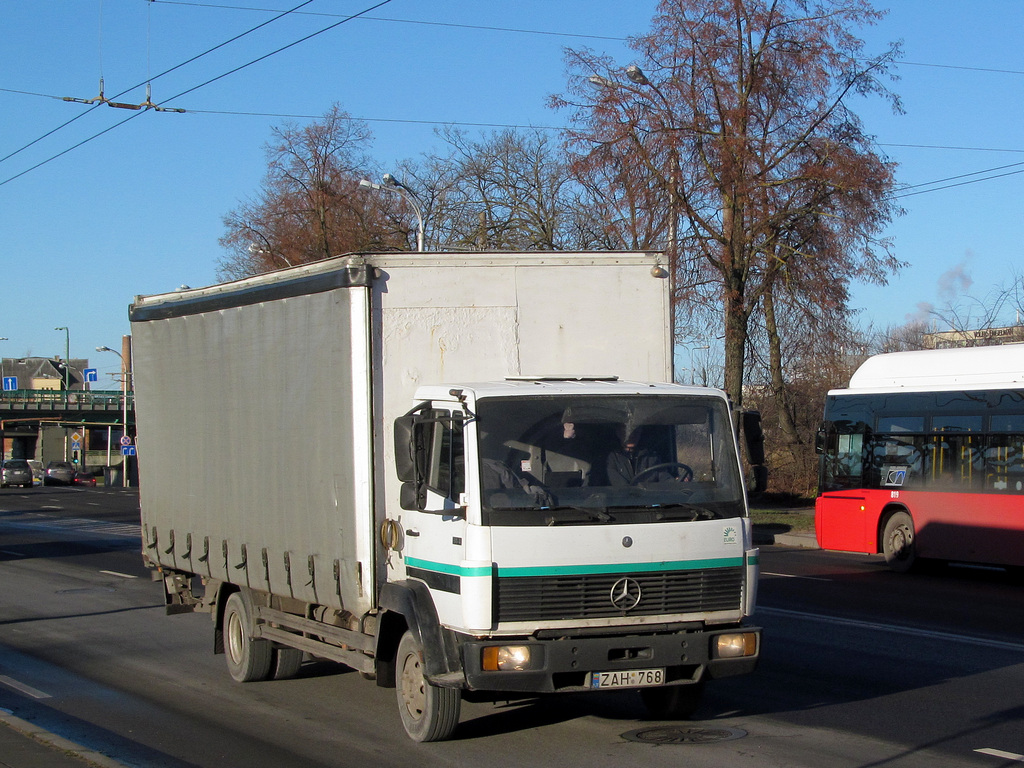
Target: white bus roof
[996, 367]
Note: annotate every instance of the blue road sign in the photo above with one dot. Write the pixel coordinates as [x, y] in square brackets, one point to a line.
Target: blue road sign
[127, 450]
[91, 374]
[10, 383]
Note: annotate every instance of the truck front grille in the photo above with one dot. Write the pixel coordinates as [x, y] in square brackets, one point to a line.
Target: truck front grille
[541, 598]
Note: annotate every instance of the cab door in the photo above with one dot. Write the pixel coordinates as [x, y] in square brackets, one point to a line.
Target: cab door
[434, 533]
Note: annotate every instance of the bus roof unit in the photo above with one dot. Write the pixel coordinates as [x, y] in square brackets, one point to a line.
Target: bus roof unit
[964, 368]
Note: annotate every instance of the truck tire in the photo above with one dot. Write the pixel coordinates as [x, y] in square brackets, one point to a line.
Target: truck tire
[248, 659]
[898, 544]
[673, 702]
[285, 663]
[429, 713]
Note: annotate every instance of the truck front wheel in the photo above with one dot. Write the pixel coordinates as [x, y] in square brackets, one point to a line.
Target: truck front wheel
[429, 713]
[249, 659]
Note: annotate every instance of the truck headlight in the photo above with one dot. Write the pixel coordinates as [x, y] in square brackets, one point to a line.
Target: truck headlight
[506, 658]
[736, 645]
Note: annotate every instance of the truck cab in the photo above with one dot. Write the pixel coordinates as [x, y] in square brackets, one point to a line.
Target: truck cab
[576, 534]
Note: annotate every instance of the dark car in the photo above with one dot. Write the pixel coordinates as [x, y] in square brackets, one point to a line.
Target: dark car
[84, 478]
[59, 473]
[16, 472]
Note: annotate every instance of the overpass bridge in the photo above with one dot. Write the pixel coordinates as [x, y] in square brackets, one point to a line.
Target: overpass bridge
[42, 424]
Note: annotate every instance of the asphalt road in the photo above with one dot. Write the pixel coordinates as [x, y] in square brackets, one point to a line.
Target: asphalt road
[861, 667]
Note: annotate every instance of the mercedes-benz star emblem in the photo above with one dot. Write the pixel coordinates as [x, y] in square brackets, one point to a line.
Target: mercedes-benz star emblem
[625, 594]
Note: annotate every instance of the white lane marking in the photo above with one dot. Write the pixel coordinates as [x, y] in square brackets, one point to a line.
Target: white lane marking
[1002, 755]
[121, 575]
[75, 524]
[926, 633]
[794, 576]
[28, 690]
[12, 554]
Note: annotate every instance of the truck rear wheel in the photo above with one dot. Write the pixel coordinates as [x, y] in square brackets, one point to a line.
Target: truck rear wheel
[429, 713]
[249, 659]
[286, 663]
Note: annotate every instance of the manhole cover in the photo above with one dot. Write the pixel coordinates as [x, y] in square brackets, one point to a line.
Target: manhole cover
[674, 734]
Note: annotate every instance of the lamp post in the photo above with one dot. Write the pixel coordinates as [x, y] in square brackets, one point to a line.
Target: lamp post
[636, 76]
[67, 358]
[2, 338]
[391, 184]
[124, 408]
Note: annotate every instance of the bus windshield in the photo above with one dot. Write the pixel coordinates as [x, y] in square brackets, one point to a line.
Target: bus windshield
[558, 460]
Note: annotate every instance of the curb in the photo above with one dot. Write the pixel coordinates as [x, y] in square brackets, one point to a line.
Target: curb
[49, 739]
[805, 540]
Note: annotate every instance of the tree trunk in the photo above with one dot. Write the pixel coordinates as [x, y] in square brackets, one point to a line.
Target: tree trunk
[779, 390]
[736, 312]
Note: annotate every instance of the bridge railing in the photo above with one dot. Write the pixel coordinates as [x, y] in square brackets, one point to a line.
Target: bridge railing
[57, 398]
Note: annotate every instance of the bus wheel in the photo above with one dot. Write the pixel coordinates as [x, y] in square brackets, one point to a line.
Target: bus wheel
[898, 542]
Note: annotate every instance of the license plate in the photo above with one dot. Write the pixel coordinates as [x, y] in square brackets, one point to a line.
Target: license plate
[627, 678]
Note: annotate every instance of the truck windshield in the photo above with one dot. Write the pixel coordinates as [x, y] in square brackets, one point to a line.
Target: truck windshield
[562, 461]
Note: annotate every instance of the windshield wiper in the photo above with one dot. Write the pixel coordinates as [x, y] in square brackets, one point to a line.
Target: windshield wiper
[696, 512]
[591, 513]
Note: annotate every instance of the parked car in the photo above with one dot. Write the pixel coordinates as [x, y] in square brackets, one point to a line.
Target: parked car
[16, 472]
[59, 473]
[84, 478]
[38, 472]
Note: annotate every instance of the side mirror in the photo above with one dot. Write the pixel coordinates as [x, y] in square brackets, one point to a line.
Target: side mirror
[754, 436]
[405, 449]
[411, 497]
[819, 440]
[760, 480]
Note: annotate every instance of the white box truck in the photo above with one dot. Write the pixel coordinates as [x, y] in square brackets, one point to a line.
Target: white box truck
[453, 473]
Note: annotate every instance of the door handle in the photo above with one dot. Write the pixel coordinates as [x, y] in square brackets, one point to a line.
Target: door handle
[412, 533]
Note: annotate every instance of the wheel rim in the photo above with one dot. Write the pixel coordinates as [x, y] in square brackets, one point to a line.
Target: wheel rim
[900, 541]
[414, 687]
[235, 639]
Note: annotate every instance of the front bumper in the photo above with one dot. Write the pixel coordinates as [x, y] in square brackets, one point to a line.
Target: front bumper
[565, 663]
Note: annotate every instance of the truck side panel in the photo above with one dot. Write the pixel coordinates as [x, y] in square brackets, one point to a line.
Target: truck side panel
[255, 445]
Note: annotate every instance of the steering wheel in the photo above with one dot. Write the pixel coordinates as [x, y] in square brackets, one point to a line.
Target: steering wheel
[685, 476]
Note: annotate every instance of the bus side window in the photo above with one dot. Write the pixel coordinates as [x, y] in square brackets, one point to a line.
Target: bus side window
[1004, 463]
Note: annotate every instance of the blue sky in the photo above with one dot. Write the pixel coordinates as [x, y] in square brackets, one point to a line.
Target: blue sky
[139, 209]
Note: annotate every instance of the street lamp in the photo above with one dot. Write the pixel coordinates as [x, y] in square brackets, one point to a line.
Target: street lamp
[124, 410]
[636, 76]
[391, 184]
[2, 338]
[67, 358]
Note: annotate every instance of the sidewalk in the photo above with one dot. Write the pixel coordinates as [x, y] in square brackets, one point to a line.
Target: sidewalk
[23, 745]
[786, 526]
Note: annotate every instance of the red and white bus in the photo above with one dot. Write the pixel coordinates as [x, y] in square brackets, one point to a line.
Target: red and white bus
[923, 457]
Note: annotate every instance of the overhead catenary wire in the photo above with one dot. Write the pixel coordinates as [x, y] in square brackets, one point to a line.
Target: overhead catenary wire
[365, 16]
[197, 87]
[150, 79]
[520, 30]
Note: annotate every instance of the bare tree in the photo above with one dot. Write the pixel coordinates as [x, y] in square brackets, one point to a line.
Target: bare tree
[739, 118]
[507, 190]
[309, 206]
